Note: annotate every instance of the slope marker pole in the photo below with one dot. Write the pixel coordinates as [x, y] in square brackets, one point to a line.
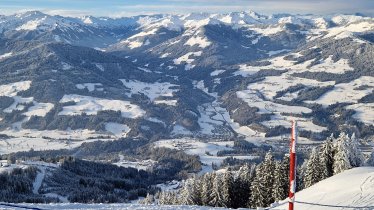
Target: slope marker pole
[291, 194]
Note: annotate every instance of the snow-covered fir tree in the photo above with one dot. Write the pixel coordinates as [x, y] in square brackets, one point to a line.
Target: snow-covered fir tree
[356, 157]
[242, 187]
[370, 160]
[216, 196]
[313, 169]
[342, 155]
[227, 189]
[207, 189]
[258, 198]
[267, 176]
[280, 186]
[327, 158]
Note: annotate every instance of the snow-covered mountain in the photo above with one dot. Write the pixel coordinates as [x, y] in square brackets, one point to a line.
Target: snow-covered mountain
[220, 77]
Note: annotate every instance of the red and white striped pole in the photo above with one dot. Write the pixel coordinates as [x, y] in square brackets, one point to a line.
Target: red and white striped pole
[291, 194]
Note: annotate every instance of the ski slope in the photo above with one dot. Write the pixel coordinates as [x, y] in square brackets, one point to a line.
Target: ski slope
[101, 206]
[352, 189]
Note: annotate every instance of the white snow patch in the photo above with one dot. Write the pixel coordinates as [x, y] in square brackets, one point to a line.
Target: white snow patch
[186, 58]
[202, 42]
[347, 92]
[39, 109]
[252, 98]
[216, 72]
[13, 88]
[119, 130]
[91, 105]
[151, 90]
[90, 86]
[6, 55]
[364, 112]
[66, 66]
[350, 189]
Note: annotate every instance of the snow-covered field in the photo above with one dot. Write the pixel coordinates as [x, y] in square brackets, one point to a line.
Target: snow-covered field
[152, 90]
[352, 189]
[91, 105]
[207, 151]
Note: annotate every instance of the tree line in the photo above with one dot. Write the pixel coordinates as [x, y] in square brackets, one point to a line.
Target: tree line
[261, 185]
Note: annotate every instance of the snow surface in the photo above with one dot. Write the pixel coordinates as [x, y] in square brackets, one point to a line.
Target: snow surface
[6, 55]
[353, 188]
[206, 150]
[151, 90]
[119, 130]
[90, 86]
[216, 72]
[202, 42]
[364, 112]
[186, 58]
[91, 105]
[13, 88]
[347, 92]
[122, 206]
[39, 109]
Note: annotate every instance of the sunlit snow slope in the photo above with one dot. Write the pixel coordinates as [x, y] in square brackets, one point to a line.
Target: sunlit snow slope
[352, 189]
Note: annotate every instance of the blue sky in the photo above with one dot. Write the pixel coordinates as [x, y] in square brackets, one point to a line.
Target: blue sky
[117, 8]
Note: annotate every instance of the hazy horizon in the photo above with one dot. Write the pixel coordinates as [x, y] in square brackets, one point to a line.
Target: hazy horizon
[114, 8]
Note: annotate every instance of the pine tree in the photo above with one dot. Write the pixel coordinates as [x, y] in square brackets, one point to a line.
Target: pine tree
[280, 186]
[258, 198]
[206, 189]
[370, 160]
[186, 194]
[267, 177]
[227, 189]
[356, 157]
[341, 157]
[216, 196]
[242, 187]
[327, 158]
[196, 191]
[313, 170]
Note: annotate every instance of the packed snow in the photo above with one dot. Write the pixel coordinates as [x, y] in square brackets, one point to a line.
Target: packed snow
[352, 189]
[91, 105]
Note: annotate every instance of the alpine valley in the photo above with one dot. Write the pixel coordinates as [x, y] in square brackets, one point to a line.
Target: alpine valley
[177, 94]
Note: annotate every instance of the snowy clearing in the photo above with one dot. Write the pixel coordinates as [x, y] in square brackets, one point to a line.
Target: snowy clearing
[91, 105]
[13, 88]
[364, 112]
[202, 42]
[347, 92]
[151, 90]
[119, 130]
